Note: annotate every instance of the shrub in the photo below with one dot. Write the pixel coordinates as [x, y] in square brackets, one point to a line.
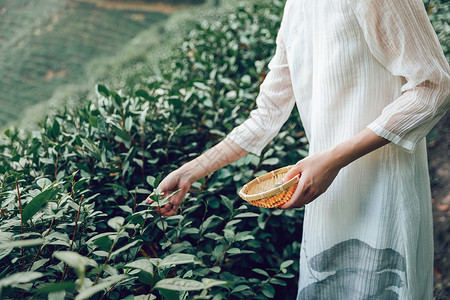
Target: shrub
[73, 221]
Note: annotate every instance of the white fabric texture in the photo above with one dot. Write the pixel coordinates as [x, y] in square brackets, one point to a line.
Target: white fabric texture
[351, 64]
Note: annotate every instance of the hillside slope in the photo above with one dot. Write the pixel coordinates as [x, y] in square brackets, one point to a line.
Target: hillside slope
[47, 43]
[131, 64]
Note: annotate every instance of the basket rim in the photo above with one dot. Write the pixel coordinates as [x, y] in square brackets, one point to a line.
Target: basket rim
[269, 193]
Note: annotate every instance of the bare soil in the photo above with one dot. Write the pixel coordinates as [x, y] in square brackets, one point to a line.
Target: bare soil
[137, 6]
[439, 167]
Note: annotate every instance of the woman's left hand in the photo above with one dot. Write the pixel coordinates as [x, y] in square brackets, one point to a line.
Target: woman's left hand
[317, 172]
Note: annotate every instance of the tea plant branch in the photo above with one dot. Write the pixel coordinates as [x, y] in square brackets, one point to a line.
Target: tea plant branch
[257, 228]
[143, 152]
[163, 228]
[223, 253]
[21, 229]
[215, 263]
[134, 200]
[109, 255]
[145, 220]
[106, 293]
[76, 222]
[201, 226]
[179, 224]
[42, 221]
[21, 223]
[56, 164]
[72, 193]
[81, 229]
[167, 145]
[160, 216]
[40, 247]
[74, 235]
[266, 282]
[35, 228]
[122, 179]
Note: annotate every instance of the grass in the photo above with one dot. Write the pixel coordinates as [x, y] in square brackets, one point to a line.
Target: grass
[46, 44]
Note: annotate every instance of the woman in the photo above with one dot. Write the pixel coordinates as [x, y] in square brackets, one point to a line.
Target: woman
[370, 80]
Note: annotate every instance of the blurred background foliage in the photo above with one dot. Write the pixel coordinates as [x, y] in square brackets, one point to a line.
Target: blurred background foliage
[55, 51]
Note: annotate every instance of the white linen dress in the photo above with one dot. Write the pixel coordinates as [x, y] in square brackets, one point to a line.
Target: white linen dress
[351, 64]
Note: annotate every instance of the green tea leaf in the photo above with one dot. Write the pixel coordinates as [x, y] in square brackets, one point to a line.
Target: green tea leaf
[75, 260]
[234, 251]
[179, 259]
[43, 183]
[287, 275]
[20, 277]
[102, 286]
[23, 243]
[116, 222]
[228, 203]
[141, 264]
[179, 284]
[168, 295]
[262, 272]
[247, 215]
[151, 181]
[268, 291]
[209, 283]
[244, 236]
[127, 246]
[37, 202]
[270, 161]
[286, 264]
[103, 90]
[142, 93]
[56, 287]
[240, 288]
[128, 123]
[278, 282]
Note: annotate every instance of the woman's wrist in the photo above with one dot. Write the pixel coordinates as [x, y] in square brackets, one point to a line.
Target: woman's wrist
[342, 154]
[188, 172]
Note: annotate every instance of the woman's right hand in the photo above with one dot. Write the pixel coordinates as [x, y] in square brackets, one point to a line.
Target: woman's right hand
[177, 180]
[181, 179]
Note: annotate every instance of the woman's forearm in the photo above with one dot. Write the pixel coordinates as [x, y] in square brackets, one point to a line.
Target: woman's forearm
[361, 144]
[215, 158]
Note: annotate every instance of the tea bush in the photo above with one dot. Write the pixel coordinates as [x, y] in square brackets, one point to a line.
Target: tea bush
[73, 221]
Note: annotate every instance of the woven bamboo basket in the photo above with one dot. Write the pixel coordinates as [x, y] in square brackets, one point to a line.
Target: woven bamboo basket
[263, 192]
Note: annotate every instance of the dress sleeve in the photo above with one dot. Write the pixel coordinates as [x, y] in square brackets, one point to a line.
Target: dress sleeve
[399, 34]
[274, 105]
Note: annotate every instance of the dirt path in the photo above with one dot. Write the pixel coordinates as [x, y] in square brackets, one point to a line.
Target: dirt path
[136, 6]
